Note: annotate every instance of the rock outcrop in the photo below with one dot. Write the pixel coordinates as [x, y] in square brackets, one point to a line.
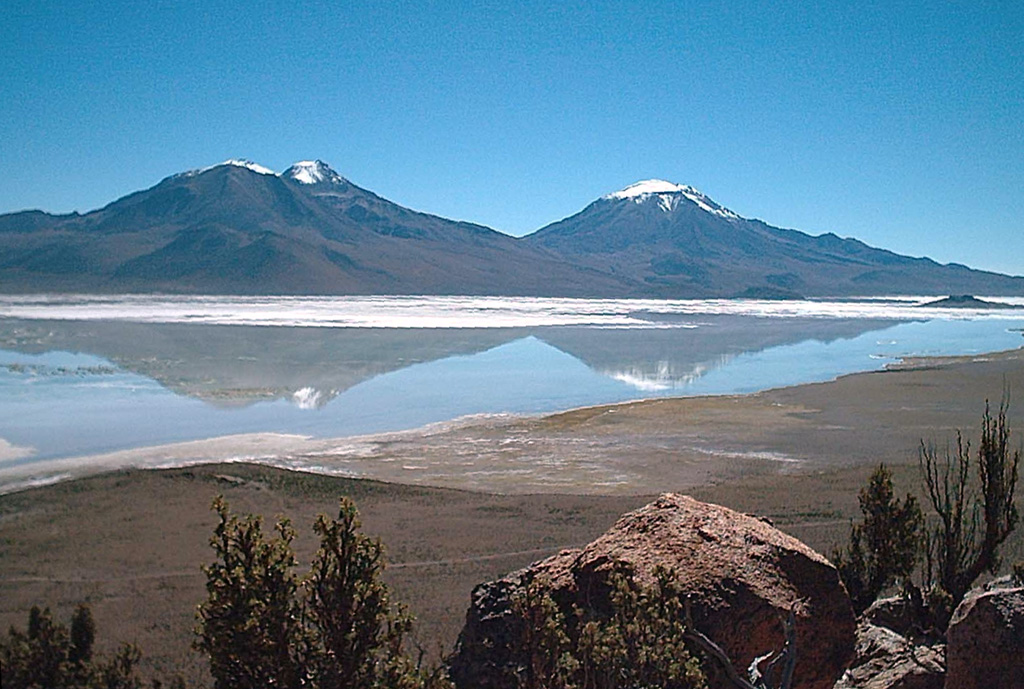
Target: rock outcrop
[985, 641]
[741, 575]
[894, 613]
[887, 660]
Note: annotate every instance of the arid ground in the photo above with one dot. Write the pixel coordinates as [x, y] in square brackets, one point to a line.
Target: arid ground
[461, 505]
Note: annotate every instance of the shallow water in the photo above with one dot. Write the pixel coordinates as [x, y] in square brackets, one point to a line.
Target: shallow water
[75, 380]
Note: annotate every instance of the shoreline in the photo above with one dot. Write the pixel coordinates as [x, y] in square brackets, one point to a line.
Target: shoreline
[131, 542]
[631, 447]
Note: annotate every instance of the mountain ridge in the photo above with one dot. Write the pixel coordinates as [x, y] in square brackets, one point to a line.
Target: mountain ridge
[240, 228]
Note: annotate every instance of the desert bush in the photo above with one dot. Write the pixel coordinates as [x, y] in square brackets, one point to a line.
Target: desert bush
[885, 547]
[972, 496]
[544, 649]
[639, 642]
[357, 632]
[336, 628]
[46, 656]
[250, 625]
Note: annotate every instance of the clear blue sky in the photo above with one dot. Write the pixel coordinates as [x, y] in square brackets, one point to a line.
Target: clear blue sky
[898, 123]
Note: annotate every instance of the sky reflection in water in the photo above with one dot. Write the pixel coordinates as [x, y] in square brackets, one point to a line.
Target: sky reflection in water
[175, 382]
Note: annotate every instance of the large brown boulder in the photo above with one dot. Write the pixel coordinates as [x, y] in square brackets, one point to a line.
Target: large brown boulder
[741, 574]
[985, 641]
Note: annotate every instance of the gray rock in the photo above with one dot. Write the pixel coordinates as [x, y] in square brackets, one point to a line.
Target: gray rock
[985, 641]
[894, 614]
[887, 660]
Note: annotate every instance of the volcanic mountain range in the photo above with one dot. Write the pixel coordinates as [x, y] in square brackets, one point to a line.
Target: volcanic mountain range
[239, 228]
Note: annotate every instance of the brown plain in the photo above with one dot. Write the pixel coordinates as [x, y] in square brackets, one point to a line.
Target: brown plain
[131, 543]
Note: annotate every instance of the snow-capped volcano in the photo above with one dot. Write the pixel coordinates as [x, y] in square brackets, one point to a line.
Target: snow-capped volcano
[303, 172]
[312, 172]
[668, 195]
[240, 228]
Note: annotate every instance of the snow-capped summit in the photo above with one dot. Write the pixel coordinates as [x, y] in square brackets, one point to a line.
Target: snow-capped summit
[249, 165]
[303, 172]
[312, 172]
[236, 162]
[650, 186]
[668, 196]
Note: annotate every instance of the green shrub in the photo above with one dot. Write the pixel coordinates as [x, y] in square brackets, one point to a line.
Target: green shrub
[250, 624]
[640, 642]
[46, 656]
[885, 547]
[336, 628]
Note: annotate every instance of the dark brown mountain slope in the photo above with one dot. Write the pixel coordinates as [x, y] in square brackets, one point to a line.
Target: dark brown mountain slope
[237, 228]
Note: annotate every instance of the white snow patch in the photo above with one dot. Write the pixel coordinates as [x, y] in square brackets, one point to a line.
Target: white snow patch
[236, 162]
[307, 173]
[650, 186]
[249, 165]
[313, 172]
[668, 195]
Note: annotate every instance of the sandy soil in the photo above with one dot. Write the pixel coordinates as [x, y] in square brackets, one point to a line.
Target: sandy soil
[130, 543]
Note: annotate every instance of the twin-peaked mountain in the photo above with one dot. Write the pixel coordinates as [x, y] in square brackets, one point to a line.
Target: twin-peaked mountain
[239, 228]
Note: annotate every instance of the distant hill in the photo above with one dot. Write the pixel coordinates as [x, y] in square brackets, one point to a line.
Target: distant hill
[966, 301]
[239, 228]
[677, 241]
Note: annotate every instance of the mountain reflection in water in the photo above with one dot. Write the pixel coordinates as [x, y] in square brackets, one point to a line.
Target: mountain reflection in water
[238, 365]
[128, 384]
